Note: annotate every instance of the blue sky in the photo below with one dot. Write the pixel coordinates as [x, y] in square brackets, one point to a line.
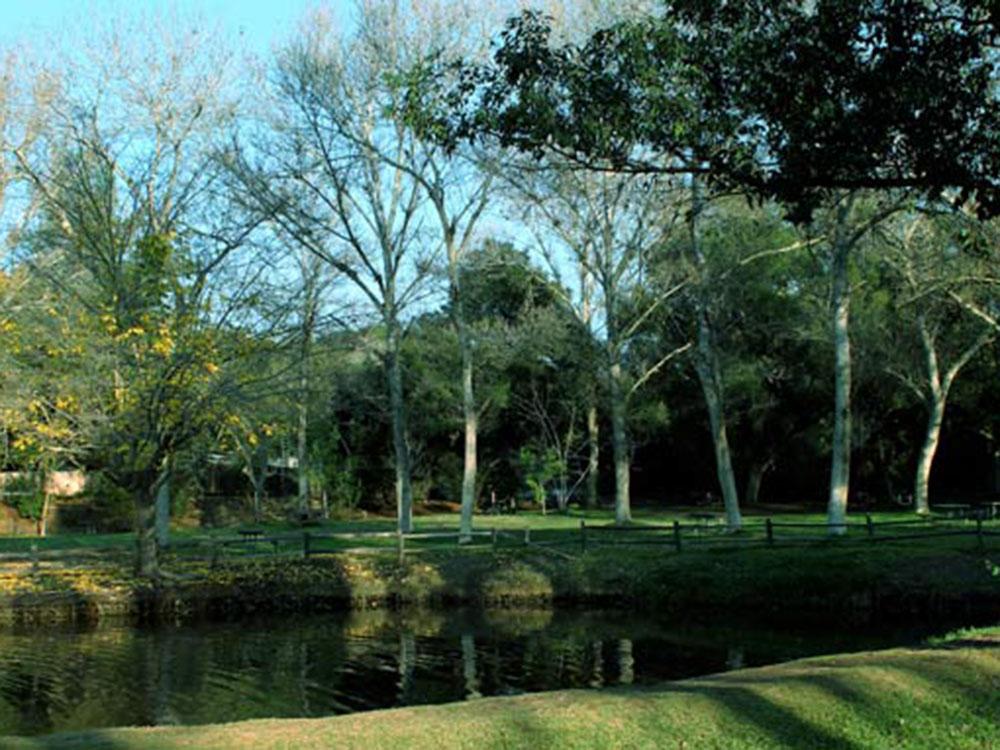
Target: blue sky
[261, 22]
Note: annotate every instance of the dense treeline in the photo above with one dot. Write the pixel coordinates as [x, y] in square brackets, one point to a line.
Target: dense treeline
[396, 263]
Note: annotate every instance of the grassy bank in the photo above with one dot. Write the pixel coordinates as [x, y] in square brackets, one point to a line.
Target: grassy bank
[942, 575]
[932, 698]
[802, 573]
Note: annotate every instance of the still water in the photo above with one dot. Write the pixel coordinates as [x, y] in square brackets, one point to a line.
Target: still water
[320, 665]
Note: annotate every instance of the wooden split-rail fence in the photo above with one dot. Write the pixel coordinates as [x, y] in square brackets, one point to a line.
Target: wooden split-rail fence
[771, 533]
[678, 536]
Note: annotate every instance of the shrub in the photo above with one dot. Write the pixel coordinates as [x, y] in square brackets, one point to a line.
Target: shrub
[23, 493]
[113, 506]
[516, 582]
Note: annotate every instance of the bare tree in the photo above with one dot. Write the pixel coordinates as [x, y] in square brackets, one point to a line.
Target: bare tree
[458, 187]
[944, 300]
[849, 220]
[610, 226]
[709, 369]
[313, 281]
[335, 172]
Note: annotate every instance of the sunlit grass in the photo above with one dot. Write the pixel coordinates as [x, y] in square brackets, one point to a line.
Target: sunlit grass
[549, 526]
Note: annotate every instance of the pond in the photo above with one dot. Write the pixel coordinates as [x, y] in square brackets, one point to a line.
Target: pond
[307, 666]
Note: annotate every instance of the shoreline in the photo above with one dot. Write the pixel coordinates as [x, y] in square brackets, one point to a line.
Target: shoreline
[880, 583]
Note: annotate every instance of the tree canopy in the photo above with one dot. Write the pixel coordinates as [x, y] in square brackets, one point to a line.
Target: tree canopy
[785, 100]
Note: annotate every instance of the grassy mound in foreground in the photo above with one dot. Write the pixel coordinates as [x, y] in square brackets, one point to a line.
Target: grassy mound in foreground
[933, 698]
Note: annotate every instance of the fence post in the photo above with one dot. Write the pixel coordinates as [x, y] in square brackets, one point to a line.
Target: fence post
[34, 559]
[306, 544]
[677, 535]
[770, 531]
[870, 524]
[583, 535]
[493, 537]
[401, 539]
[527, 535]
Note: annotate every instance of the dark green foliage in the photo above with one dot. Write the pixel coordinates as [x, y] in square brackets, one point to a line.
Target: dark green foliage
[113, 505]
[23, 494]
[500, 284]
[785, 99]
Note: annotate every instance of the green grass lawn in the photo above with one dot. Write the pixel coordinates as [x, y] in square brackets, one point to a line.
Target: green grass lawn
[936, 699]
[551, 527]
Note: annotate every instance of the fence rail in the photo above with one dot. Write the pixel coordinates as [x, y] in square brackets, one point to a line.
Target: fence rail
[306, 544]
[677, 536]
[682, 535]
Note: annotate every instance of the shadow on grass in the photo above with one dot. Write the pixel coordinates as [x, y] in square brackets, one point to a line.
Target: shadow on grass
[96, 739]
[861, 695]
[780, 725]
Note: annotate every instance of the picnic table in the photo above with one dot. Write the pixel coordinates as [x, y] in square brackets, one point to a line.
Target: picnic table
[705, 521]
[953, 510]
[988, 510]
[705, 518]
[251, 536]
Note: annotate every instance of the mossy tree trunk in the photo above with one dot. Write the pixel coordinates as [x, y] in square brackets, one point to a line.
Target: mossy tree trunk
[162, 512]
[147, 553]
[840, 459]
[936, 400]
[400, 443]
[709, 371]
[470, 418]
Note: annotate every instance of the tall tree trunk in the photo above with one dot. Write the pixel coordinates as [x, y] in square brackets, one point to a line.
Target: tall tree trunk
[257, 494]
[43, 489]
[735, 657]
[147, 559]
[619, 411]
[401, 448]
[711, 387]
[710, 376]
[754, 480]
[562, 487]
[162, 512]
[619, 444]
[840, 462]
[937, 399]
[256, 471]
[593, 426]
[44, 518]
[302, 449]
[302, 445]
[593, 454]
[471, 419]
[932, 435]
